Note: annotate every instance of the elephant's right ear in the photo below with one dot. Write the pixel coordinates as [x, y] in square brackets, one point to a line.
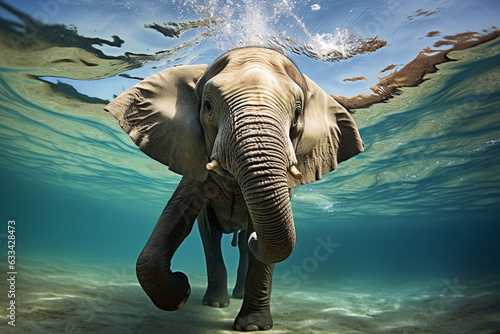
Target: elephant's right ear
[329, 135]
[161, 115]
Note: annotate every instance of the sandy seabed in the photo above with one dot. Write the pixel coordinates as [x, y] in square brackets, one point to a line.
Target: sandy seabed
[74, 297]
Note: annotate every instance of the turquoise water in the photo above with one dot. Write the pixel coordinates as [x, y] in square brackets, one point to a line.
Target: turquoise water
[419, 208]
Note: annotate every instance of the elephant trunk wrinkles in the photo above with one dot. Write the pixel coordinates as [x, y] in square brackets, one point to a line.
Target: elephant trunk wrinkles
[261, 165]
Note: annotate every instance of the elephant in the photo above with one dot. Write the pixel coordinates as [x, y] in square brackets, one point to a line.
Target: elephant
[243, 133]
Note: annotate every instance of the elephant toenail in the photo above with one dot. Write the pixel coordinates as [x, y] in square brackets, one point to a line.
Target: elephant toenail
[251, 328]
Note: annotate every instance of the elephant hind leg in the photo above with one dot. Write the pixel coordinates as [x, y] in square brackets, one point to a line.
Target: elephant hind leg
[211, 235]
[239, 288]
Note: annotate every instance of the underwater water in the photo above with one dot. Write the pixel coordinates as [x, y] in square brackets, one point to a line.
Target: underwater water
[413, 222]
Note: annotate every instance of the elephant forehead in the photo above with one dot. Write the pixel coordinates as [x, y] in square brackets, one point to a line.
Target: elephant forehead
[256, 76]
[253, 82]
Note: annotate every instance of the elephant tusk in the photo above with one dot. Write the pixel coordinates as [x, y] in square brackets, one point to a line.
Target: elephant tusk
[213, 165]
[295, 172]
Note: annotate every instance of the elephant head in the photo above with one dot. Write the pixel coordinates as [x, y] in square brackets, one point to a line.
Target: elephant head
[251, 116]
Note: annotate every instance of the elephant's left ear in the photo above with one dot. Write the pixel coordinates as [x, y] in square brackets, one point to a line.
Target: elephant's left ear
[329, 135]
[161, 115]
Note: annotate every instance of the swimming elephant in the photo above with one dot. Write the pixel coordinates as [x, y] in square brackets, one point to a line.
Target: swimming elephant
[243, 132]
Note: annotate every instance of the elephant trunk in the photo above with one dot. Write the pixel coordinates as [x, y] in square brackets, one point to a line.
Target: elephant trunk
[271, 214]
[260, 165]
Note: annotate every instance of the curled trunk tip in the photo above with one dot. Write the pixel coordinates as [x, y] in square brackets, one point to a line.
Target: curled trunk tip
[266, 256]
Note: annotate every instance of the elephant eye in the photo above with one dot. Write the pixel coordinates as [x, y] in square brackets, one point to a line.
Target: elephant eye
[208, 106]
[297, 111]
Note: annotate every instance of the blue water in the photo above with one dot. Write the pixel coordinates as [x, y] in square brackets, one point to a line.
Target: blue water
[421, 204]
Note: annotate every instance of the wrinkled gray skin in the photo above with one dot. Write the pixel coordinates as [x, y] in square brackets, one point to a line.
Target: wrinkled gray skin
[265, 129]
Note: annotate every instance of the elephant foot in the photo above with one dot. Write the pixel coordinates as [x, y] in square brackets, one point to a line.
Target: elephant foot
[248, 320]
[216, 298]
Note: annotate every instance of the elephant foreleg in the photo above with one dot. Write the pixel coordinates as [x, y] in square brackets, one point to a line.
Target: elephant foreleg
[255, 312]
[169, 290]
[211, 234]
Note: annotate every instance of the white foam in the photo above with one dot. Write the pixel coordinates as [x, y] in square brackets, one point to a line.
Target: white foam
[256, 23]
